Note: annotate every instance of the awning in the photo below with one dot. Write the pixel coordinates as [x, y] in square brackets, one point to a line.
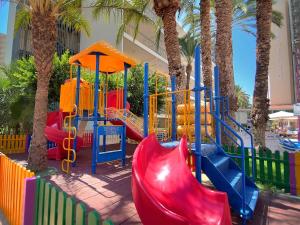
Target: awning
[282, 115]
[111, 60]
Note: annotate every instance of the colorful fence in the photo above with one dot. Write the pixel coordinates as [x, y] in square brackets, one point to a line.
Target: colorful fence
[270, 168]
[53, 206]
[12, 183]
[13, 143]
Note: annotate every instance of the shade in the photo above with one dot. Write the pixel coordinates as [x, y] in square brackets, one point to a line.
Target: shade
[281, 115]
[111, 60]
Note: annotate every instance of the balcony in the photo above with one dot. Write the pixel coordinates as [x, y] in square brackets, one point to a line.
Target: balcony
[148, 41]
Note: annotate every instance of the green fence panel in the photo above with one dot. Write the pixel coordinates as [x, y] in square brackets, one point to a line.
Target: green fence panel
[278, 180]
[108, 222]
[286, 169]
[70, 211]
[93, 218]
[247, 164]
[37, 200]
[80, 214]
[226, 149]
[255, 165]
[53, 206]
[47, 204]
[41, 202]
[239, 160]
[261, 166]
[61, 208]
[269, 167]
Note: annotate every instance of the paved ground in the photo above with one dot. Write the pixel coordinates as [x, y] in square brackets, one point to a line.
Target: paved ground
[109, 192]
[2, 219]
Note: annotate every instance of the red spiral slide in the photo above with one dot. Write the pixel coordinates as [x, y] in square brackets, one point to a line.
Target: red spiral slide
[54, 133]
[165, 191]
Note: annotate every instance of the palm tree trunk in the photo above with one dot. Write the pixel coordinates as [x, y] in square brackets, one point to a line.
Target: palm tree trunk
[167, 11]
[188, 70]
[224, 55]
[43, 43]
[263, 45]
[206, 42]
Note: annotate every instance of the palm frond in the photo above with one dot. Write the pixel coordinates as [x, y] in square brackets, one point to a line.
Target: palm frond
[133, 12]
[23, 18]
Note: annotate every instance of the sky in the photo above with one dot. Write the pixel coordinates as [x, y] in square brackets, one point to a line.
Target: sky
[244, 47]
[3, 16]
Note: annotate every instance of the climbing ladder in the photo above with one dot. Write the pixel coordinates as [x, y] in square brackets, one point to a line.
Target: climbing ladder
[68, 142]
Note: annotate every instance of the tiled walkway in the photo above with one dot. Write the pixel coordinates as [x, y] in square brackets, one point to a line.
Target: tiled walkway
[109, 192]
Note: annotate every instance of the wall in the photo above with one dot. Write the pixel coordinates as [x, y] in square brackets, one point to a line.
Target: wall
[280, 69]
[101, 29]
[2, 48]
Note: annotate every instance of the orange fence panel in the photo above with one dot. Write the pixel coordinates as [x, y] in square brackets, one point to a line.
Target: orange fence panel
[12, 179]
[12, 144]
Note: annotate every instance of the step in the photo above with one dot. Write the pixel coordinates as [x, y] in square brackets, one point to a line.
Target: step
[221, 162]
[234, 177]
[251, 197]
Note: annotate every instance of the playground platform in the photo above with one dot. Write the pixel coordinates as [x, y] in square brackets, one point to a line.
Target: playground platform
[109, 192]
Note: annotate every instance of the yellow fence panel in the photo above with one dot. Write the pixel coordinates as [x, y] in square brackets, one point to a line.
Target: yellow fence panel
[12, 185]
[12, 144]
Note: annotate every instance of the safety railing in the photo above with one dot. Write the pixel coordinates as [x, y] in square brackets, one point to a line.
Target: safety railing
[131, 120]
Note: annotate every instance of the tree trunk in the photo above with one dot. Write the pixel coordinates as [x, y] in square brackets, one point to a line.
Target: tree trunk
[188, 70]
[166, 9]
[263, 44]
[224, 53]
[206, 43]
[43, 43]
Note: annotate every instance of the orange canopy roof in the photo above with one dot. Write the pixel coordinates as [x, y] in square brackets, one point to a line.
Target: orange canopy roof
[111, 60]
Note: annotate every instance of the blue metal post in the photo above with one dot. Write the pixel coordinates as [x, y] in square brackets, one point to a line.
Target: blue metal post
[197, 90]
[146, 99]
[217, 104]
[174, 127]
[105, 105]
[124, 106]
[95, 115]
[77, 105]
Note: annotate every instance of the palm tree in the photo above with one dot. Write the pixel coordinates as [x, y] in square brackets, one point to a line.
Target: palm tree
[205, 37]
[242, 97]
[135, 12]
[243, 18]
[187, 47]
[263, 45]
[42, 16]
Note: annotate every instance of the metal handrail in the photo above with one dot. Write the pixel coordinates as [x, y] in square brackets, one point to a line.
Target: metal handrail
[226, 113]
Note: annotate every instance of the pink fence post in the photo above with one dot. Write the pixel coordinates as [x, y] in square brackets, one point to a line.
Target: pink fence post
[29, 201]
[292, 174]
[28, 140]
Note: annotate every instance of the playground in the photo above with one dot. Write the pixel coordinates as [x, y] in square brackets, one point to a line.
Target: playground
[178, 172]
[109, 192]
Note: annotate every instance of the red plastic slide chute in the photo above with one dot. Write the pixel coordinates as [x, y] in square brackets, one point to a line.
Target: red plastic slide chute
[165, 191]
[54, 133]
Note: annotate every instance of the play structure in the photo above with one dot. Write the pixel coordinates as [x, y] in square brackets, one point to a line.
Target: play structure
[82, 102]
[164, 190]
